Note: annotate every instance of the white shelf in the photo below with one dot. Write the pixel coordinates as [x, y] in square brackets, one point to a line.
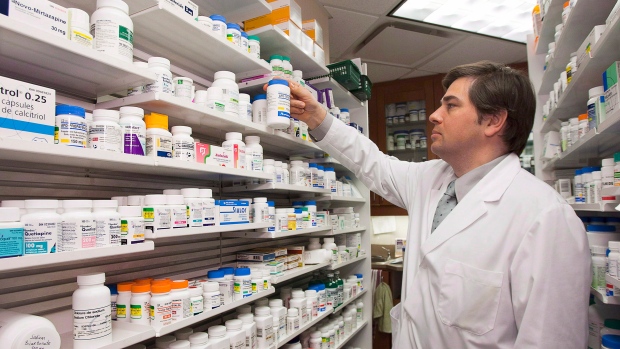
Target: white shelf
[579, 24]
[340, 265]
[169, 233]
[604, 298]
[349, 301]
[212, 313]
[612, 280]
[274, 235]
[353, 333]
[306, 326]
[341, 231]
[614, 191]
[124, 334]
[610, 207]
[36, 56]
[190, 46]
[343, 98]
[274, 188]
[43, 260]
[273, 41]
[552, 18]
[61, 155]
[342, 199]
[293, 273]
[329, 162]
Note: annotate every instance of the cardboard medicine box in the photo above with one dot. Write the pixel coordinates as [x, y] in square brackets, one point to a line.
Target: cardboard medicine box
[255, 256]
[42, 14]
[185, 6]
[312, 28]
[277, 251]
[234, 212]
[293, 32]
[27, 111]
[610, 85]
[213, 155]
[281, 11]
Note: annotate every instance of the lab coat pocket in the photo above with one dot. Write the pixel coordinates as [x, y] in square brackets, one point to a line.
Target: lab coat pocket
[395, 317]
[469, 297]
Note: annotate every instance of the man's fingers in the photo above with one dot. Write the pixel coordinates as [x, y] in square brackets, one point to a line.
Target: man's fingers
[297, 111]
[295, 103]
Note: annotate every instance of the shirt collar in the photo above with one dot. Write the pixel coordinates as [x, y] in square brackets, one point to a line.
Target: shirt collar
[466, 182]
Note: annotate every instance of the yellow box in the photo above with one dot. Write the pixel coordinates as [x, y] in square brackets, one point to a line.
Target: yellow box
[312, 28]
[293, 31]
[281, 11]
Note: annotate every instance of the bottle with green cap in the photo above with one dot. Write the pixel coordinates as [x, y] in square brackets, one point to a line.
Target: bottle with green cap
[611, 326]
[287, 67]
[254, 46]
[340, 284]
[277, 66]
[617, 170]
[331, 290]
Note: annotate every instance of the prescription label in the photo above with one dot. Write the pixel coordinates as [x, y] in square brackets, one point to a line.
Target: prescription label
[40, 237]
[92, 323]
[121, 311]
[11, 242]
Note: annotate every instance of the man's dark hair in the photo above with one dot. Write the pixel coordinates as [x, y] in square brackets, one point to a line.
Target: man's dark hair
[497, 87]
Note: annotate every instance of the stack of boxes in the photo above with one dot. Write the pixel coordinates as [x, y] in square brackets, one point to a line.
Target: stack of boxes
[286, 15]
[276, 260]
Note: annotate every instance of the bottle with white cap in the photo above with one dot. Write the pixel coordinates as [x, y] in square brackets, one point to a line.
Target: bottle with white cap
[299, 301]
[209, 213]
[236, 333]
[292, 320]
[164, 342]
[234, 143]
[178, 211]
[199, 340]
[42, 226]
[112, 16]
[78, 227]
[183, 334]
[278, 312]
[163, 83]
[156, 213]
[245, 107]
[180, 344]
[92, 312]
[108, 221]
[215, 99]
[253, 153]
[218, 338]
[105, 133]
[249, 326]
[315, 340]
[226, 81]
[194, 205]
[183, 146]
[264, 327]
[79, 27]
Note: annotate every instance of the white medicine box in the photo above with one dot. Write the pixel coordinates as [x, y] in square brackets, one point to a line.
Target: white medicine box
[27, 111]
[42, 14]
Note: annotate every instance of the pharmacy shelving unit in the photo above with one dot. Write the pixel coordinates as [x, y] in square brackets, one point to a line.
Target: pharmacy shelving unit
[351, 300]
[341, 199]
[601, 296]
[42, 285]
[346, 98]
[289, 336]
[602, 207]
[275, 234]
[550, 20]
[276, 188]
[335, 231]
[350, 336]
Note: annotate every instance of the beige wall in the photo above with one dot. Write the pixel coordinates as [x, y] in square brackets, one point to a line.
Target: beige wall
[312, 9]
[402, 223]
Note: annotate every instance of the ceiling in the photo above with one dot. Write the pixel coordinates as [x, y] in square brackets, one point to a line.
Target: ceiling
[399, 49]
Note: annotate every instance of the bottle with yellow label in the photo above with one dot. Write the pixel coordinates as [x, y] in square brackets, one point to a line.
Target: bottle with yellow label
[132, 225]
[140, 304]
[158, 138]
[123, 301]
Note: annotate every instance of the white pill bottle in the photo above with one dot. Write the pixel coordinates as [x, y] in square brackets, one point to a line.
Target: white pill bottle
[112, 29]
[92, 312]
[17, 329]
[278, 104]
[235, 144]
[183, 146]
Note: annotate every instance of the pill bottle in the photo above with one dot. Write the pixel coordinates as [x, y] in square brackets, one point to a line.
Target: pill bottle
[233, 34]
[299, 301]
[199, 340]
[158, 139]
[254, 46]
[92, 312]
[180, 300]
[340, 284]
[20, 204]
[164, 341]
[264, 327]
[277, 66]
[287, 68]
[360, 312]
[594, 189]
[108, 222]
[12, 232]
[263, 302]
[583, 126]
[244, 309]
[226, 81]
[235, 144]
[230, 285]
[104, 132]
[180, 344]
[315, 340]
[163, 82]
[196, 301]
[345, 116]
[257, 281]
[78, 227]
[271, 217]
[297, 175]
[259, 109]
[595, 106]
[278, 104]
[320, 177]
[245, 107]
[573, 134]
[206, 23]
[281, 220]
[183, 146]
[607, 172]
[183, 87]
[249, 327]
[70, 126]
[218, 338]
[243, 283]
[266, 273]
[278, 171]
[156, 213]
[307, 174]
[133, 130]
[132, 225]
[330, 180]
[236, 333]
[292, 219]
[244, 42]
[79, 27]
[253, 153]
[219, 27]
[42, 226]
[261, 210]
[194, 206]
[292, 320]
[18, 329]
[215, 99]
[212, 297]
[161, 305]
[200, 98]
[140, 304]
[306, 223]
[278, 313]
[123, 299]
[208, 207]
[112, 16]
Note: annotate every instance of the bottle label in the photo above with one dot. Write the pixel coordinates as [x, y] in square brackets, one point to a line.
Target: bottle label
[159, 146]
[134, 139]
[179, 217]
[132, 231]
[121, 311]
[77, 234]
[89, 324]
[208, 213]
[40, 237]
[108, 232]
[71, 131]
[161, 313]
[105, 137]
[184, 150]
[11, 242]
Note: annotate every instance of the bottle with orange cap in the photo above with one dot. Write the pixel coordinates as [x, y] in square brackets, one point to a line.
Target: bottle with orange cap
[180, 300]
[140, 303]
[158, 138]
[161, 304]
[583, 125]
[123, 301]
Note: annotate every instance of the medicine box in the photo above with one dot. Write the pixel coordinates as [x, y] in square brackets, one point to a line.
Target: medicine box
[610, 84]
[234, 212]
[584, 50]
[307, 45]
[296, 251]
[319, 54]
[255, 256]
[214, 155]
[294, 33]
[281, 11]
[274, 268]
[185, 6]
[277, 251]
[27, 111]
[291, 265]
[282, 259]
[312, 28]
[42, 14]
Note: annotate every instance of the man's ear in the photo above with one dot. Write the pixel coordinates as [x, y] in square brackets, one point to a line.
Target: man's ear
[494, 123]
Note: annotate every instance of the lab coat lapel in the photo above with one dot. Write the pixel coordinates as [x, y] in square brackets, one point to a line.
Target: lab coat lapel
[473, 206]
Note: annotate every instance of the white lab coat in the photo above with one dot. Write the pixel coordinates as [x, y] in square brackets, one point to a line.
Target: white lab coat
[508, 268]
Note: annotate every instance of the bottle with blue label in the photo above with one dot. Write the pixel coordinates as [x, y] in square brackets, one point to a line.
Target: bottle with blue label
[11, 233]
[158, 138]
[41, 226]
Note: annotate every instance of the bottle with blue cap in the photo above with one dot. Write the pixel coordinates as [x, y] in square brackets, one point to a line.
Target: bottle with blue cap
[610, 341]
[314, 175]
[219, 26]
[71, 128]
[311, 205]
[345, 116]
[226, 286]
[243, 283]
[244, 42]
[233, 34]
[278, 104]
[259, 109]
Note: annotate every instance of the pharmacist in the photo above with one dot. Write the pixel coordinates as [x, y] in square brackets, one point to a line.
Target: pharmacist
[495, 257]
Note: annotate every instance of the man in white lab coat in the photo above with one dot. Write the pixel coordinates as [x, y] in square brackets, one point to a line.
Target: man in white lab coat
[509, 266]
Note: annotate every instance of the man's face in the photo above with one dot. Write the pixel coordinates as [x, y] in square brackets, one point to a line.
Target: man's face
[456, 131]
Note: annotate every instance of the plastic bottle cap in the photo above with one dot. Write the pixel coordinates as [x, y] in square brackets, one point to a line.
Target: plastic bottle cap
[286, 58]
[271, 204]
[181, 130]
[278, 82]
[275, 303]
[260, 200]
[156, 120]
[180, 344]
[143, 281]
[91, 279]
[298, 294]
[41, 204]
[244, 98]
[610, 341]
[234, 324]
[124, 286]
[206, 193]
[63, 109]
[233, 136]
[175, 200]
[254, 37]
[161, 287]
[595, 91]
[218, 18]
[9, 214]
[293, 312]
[106, 114]
[211, 286]
[159, 62]
[155, 199]
[136, 288]
[215, 274]
[184, 332]
[262, 311]
[601, 228]
[217, 331]
[275, 57]
[105, 204]
[259, 97]
[582, 117]
[224, 75]
[164, 341]
[179, 284]
[242, 272]
[233, 26]
[77, 204]
[198, 338]
[246, 318]
[244, 34]
[215, 93]
[228, 270]
[119, 4]
[252, 139]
